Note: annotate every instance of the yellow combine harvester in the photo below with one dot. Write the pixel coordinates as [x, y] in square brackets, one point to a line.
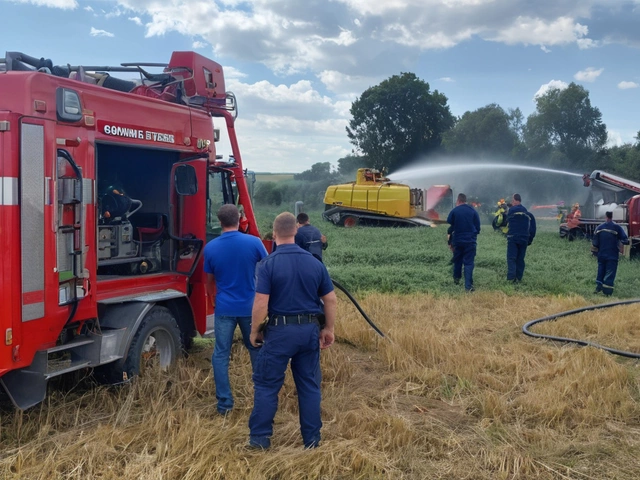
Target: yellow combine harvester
[375, 200]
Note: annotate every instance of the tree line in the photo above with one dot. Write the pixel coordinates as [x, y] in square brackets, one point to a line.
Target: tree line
[401, 120]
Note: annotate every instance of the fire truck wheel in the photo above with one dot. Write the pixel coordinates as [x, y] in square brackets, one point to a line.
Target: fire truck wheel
[350, 221]
[156, 344]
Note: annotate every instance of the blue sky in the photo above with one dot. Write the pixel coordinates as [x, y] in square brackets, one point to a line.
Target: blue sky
[296, 66]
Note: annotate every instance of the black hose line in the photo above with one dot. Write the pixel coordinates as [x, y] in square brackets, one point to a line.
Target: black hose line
[526, 331]
[362, 312]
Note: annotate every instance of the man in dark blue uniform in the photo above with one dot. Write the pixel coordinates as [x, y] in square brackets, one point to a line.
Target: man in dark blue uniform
[522, 230]
[292, 286]
[465, 227]
[309, 237]
[606, 240]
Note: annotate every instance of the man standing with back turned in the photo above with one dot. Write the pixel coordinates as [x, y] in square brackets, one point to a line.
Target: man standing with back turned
[522, 230]
[230, 264]
[309, 237]
[291, 288]
[606, 241]
[465, 227]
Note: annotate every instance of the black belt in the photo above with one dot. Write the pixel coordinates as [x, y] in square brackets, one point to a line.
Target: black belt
[301, 319]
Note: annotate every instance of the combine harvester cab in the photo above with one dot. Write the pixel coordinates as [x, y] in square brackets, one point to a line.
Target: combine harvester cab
[611, 193]
[375, 200]
[109, 193]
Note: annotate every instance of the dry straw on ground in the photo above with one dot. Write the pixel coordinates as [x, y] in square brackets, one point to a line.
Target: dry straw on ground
[458, 393]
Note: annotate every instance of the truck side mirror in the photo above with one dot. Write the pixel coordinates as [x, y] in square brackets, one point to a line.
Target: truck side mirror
[185, 180]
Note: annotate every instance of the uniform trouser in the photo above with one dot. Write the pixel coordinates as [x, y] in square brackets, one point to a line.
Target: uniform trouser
[464, 253]
[301, 345]
[516, 250]
[224, 328]
[607, 270]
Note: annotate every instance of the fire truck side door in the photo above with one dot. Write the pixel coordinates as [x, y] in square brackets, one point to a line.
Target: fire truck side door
[186, 222]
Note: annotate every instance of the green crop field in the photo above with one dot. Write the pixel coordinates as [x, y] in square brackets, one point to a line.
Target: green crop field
[273, 177]
[407, 260]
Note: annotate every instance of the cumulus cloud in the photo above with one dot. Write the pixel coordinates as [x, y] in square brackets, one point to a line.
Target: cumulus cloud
[614, 138]
[352, 35]
[136, 20]
[64, 4]
[553, 84]
[624, 85]
[588, 75]
[544, 49]
[446, 79]
[198, 44]
[100, 33]
[88, 8]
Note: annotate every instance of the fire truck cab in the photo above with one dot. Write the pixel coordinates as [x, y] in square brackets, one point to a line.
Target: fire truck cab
[109, 190]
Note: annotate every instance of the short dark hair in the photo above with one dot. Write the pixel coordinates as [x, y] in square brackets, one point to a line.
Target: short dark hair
[228, 215]
[609, 215]
[462, 198]
[284, 225]
[302, 218]
[517, 197]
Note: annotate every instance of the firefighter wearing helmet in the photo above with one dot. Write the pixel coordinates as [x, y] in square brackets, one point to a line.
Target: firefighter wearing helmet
[499, 222]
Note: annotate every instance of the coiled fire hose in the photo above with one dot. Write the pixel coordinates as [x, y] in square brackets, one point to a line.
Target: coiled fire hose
[585, 343]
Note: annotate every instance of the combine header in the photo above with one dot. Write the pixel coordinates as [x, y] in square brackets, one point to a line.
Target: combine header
[109, 192]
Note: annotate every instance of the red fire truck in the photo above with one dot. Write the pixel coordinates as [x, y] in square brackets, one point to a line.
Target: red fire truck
[109, 189]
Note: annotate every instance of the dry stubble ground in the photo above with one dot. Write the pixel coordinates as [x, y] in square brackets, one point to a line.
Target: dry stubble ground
[456, 392]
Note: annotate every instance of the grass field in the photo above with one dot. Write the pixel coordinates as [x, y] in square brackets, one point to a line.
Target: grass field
[455, 391]
[273, 177]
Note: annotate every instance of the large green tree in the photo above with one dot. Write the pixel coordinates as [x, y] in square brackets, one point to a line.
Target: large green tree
[566, 129]
[486, 132]
[398, 120]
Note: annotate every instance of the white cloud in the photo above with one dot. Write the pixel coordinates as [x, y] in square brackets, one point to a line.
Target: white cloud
[88, 8]
[588, 75]
[233, 73]
[135, 20]
[198, 44]
[614, 138]
[446, 79]
[553, 84]
[624, 85]
[343, 84]
[64, 4]
[537, 31]
[544, 49]
[100, 33]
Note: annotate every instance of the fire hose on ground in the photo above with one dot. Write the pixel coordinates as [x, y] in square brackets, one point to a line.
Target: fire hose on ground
[584, 343]
[357, 305]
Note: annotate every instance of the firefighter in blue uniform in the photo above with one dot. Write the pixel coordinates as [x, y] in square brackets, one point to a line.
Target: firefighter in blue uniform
[465, 227]
[294, 291]
[522, 230]
[309, 237]
[606, 242]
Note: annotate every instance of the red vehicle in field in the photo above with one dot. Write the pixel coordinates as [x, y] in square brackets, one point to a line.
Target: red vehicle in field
[109, 189]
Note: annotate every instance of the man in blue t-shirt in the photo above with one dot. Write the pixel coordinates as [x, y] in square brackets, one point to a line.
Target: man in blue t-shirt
[464, 230]
[230, 264]
[607, 239]
[296, 293]
[309, 237]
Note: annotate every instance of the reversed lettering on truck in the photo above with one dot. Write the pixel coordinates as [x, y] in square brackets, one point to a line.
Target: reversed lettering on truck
[130, 131]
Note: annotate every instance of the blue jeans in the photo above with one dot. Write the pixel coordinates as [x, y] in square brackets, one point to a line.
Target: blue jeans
[607, 270]
[516, 250]
[224, 328]
[464, 254]
[301, 345]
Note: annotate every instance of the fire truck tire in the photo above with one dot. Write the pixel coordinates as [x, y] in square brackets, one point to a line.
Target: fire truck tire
[350, 221]
[156, 343]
